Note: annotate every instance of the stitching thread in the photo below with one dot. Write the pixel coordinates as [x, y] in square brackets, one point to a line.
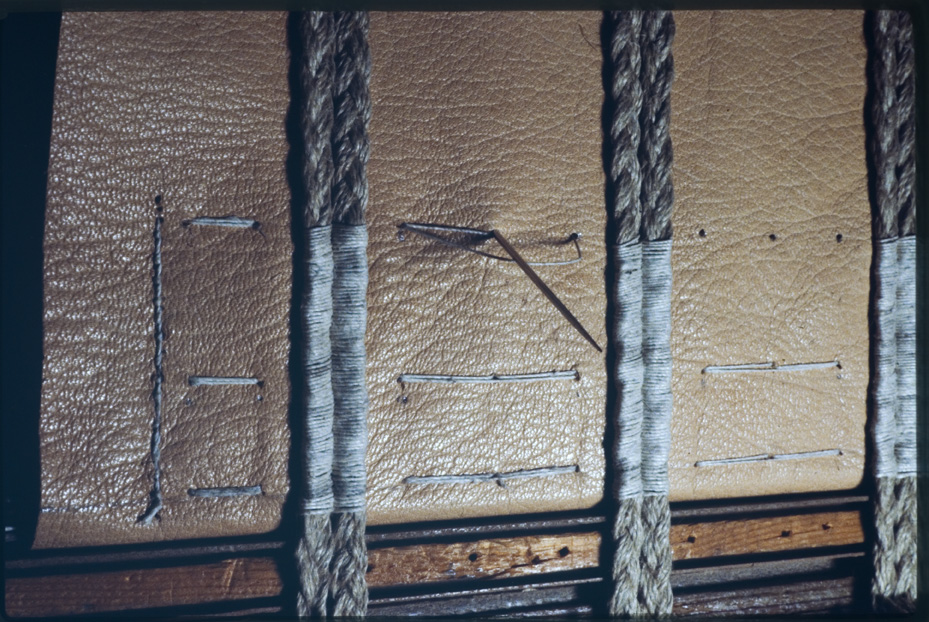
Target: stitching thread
[156, 502]
[499, 478]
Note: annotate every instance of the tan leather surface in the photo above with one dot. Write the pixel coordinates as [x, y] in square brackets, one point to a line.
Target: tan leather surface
[189, 107]
[489, 121]
[493, 121]
[768, 140]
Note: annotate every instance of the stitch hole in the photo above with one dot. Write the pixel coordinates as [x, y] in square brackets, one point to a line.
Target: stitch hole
[772, 237]
[786, 533]
[564, 551]
[702, 233]
[536, 560]
[827, 526]
[691, 539]
[473, 557]
[838, 237]
[369, 568]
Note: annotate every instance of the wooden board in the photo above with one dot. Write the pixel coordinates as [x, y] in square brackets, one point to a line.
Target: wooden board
[57, 586]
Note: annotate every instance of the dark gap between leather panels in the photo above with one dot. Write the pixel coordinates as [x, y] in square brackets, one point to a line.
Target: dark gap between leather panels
[27, 76]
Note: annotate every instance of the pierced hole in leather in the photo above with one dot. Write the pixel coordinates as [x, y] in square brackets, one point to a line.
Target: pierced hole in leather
[838, 237]
[473, 557]
[564, 551]
[536, 560]
[786, 533]
[827, 526]
[369, 568]
[772, 237]
[702, 233]
[691, 539]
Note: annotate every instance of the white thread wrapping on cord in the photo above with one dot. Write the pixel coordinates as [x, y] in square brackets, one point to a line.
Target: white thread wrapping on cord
[656, 358]
[349, 287]
[905, 447]
[318, 401]
[628, 369]
[883, 341]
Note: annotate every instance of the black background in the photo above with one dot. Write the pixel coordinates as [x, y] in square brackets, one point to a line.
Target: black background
[27, 73]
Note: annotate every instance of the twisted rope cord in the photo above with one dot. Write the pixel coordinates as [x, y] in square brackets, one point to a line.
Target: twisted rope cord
[314, 555]
[622, 109]
[891, 146]
[882, 137]
[905, 87]
[350, 590]
[623, 64]
[905, 527]
[317, 33]
[350, 152]
[655, 153]
[314, 548]
[655, 595]
[657, 196]
[352, 105]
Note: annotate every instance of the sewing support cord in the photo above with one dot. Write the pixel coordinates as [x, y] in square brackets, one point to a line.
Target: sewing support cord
[891, 392]
[314, 547]
[350, 151]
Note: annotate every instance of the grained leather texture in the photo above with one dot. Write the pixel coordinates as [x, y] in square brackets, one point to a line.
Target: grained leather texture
[188, 107]
[479, 120]
[493, 121]
[769, 141]
[489, 121]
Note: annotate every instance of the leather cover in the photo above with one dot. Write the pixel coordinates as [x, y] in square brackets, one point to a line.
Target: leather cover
[188, 107]
[769, 141]
[479, 120]
[491, 121]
